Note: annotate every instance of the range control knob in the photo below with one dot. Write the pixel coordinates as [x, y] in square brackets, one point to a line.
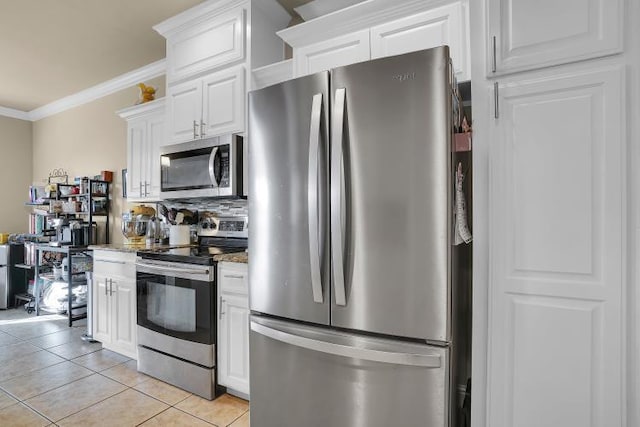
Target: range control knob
[213, 226]
[204, 225]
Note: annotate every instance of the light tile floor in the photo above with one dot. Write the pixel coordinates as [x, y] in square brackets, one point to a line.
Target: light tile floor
[50, 377]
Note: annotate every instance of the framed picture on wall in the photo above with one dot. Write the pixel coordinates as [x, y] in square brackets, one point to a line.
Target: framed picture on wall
[124, 183]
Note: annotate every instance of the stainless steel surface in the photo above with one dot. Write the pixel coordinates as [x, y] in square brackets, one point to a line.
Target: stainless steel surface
[280, 267]
[202, 129]
[190, 377]
[315, 215]
[224, 226]
[398, 202]
[337, 347]
[195, 130]
[212, 173]
[493, 55]
[191, 351]
[175, 269]
[337, 184]
[321, 389]
[4, 276]
[496, 100]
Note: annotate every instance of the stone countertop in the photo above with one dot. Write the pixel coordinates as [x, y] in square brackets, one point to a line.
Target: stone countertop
[242, 257]
[123, 247]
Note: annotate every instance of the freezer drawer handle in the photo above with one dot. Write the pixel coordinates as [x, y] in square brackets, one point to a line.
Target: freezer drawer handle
[336, 198]
[410, 359]
[312, 198]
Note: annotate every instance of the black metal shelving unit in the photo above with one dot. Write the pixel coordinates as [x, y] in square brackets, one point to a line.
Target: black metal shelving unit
[97, 199]
[40, 275]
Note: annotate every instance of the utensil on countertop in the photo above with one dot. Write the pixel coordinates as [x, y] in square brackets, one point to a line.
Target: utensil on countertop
[179, 218]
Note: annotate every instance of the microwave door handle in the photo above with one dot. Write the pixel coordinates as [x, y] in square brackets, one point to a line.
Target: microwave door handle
[312, 198]
[337, 257]
[212, 171]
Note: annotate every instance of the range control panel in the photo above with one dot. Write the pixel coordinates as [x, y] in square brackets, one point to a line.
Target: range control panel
[215, 226]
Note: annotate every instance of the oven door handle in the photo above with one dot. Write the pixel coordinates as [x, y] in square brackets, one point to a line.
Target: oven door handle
[171, 269]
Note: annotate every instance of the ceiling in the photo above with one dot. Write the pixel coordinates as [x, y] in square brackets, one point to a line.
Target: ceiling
[55, 48]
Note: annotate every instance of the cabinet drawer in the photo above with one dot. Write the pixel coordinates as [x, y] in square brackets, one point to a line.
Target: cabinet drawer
[202, 47]
[112, 264]
[232, 277]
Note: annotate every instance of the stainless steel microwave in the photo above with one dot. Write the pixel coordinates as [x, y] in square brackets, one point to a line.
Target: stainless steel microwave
[209, 167]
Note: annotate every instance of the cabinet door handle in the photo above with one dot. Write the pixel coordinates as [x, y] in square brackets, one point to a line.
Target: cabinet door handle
[110, 261]
[233, 276]
[496, 98]
[195, 129]
[146, 191]
[220, 312]
[202, 129]
[106, 288]
[493, 57]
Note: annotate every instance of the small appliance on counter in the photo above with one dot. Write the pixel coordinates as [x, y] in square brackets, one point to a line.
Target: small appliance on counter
[135, 223]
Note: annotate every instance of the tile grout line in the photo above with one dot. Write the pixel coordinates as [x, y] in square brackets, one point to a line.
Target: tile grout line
[93, 404]
[193, 415]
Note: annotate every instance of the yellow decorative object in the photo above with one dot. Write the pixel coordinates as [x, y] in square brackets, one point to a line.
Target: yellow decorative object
[143, 210]
[147, 93]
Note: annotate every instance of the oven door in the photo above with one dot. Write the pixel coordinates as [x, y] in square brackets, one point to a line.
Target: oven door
[177, 300]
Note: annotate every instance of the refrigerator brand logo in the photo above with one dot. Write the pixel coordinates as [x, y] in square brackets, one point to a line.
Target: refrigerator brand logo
[403, 77]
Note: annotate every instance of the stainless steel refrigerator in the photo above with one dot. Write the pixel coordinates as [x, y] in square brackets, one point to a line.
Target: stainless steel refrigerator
[354, 289]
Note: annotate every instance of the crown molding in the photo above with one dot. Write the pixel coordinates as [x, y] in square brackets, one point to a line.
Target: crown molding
[196, 15]
[141, 110]
[124, 81]
[155, 69]
[354, 18]
[14, 114]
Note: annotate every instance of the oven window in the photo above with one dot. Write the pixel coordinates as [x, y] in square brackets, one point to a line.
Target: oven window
[171, 308]
[186, 170]
[181, 308]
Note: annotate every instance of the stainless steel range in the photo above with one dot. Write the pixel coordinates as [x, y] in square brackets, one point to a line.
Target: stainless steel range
[176, 294]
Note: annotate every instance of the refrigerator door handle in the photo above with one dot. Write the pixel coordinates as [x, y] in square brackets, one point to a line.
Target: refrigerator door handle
[408, 359]
[337, 259]
[312, 198]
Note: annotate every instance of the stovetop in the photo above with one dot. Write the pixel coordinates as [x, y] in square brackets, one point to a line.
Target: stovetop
[201, 254]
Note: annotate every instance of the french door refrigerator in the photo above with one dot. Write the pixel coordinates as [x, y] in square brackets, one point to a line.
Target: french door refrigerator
[352, 295]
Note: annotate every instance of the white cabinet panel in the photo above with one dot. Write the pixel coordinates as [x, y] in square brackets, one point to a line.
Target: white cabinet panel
[234, 343]
[124, 316]
[441, 26]
[546, 32]
[556, 221]
[101, 314]
[223, 102]
[184, 107]
[156, 134]
[135, 160]
[336, 52]
[216, 42]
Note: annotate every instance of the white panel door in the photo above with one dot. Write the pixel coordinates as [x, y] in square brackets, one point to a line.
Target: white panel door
[123, 312]
[214, 43]
[534, 34]
[343, 50]
[441, 26]
[155, 139]
[101, 314]
[233, 369]
[184, 111]
[223, 102]
[135, 158]
[557, 233]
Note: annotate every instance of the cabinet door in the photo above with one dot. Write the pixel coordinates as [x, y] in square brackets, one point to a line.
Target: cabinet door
[136, 158]
[155, 139]
[123, 316]
[441, 26]
[223, 102]
[343, 50]
[184, 107]
[232, 277]
[211, 44]
[557, 260]
[534, 34]
[233, 344]
[101, 315]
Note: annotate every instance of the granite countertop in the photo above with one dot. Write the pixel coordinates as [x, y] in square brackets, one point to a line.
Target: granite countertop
[242, 257]
[123, 247]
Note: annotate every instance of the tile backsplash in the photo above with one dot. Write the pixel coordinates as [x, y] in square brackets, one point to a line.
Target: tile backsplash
[220, 207]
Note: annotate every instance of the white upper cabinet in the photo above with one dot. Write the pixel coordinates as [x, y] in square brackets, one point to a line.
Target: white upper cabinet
[380, 28]
[525, 34]
[210, 44]
[343, 50]
[441, 26]
[207, 106]
[145, 135]
[557, 197]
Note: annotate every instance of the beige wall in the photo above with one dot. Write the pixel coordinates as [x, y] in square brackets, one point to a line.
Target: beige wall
[15, 174]
[86, 140]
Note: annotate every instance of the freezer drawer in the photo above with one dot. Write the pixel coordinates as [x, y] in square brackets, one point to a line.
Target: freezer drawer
[309, 376]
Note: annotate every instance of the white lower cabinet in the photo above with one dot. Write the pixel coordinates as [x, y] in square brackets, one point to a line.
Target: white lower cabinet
[233, 328]
[114, 301]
